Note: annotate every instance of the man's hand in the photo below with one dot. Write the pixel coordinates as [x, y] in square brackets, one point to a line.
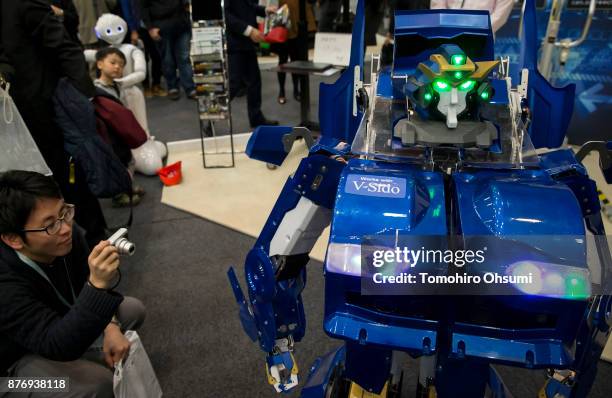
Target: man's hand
[257, 36]
[103, 263]
[57, 11]
[115, 346]
[271, 9]
[154, 33]
[134, 37]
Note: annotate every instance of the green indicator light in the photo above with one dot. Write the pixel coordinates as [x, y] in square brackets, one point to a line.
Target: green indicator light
[458, 59]
[427, 97]
[458, 75]
[576, 286]
[467, 85]
[484, 95]
[441, 86]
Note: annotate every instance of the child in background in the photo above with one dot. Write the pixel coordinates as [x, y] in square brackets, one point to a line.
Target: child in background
[109, 63]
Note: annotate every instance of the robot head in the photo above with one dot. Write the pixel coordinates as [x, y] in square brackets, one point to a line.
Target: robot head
[450, 85]
[111, 28]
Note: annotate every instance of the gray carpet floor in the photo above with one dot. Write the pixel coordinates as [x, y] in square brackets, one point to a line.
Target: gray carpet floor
[192, 332]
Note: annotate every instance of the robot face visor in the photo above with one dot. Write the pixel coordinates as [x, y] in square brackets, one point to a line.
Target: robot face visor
[452, 100]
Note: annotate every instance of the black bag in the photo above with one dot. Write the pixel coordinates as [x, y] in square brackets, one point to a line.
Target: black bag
[105, 174]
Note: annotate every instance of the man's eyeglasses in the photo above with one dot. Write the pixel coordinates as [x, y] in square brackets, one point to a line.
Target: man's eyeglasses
[56, 226]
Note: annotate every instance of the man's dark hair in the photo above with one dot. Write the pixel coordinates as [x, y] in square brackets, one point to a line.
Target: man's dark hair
[106, 51]
[19, 191]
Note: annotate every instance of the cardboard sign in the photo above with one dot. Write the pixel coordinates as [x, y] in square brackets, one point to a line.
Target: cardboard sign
[333, 48]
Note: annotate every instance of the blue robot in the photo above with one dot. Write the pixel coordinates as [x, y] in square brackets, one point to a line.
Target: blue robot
[440, 149]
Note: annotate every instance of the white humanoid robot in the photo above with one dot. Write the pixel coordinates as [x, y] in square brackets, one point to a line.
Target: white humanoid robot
[112, 29]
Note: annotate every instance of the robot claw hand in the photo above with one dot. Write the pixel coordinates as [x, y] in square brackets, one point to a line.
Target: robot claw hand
[281, 367]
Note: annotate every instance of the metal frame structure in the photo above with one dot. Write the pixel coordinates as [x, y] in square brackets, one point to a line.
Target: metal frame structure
[203, 87]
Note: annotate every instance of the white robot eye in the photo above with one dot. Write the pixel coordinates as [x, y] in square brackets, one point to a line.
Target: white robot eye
[109, 31]
[119, 28]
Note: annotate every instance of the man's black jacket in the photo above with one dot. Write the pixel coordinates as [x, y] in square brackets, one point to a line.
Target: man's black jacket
[35, 52]
[238, 15]
[35, 43]
[34, 320]
[170, 16]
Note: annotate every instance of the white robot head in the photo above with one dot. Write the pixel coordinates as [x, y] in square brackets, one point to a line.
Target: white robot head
[111, 28]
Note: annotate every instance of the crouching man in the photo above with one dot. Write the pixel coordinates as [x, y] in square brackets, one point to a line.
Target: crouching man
[59, 314]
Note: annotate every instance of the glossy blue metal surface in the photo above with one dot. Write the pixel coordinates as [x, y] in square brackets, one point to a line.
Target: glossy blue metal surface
[516, 203]
[266, 144]
[385, 84]
[515, 352]
[246, 319]
[536, 219]
[419, 211]
[418, 33]
[500, 92]
[336, 100]
[321, 373]
[560, 161]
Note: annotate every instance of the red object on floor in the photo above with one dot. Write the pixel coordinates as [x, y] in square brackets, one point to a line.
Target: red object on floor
[171, 174]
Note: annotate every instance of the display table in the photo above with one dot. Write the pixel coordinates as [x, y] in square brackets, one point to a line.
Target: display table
[305, 69]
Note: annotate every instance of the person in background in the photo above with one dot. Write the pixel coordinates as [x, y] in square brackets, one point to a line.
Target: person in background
[329, 12]
[89, 11]
[34, 63]
[242, 35]
[293, 49]
[60, 314]
[169, 24]
[131, 13]
[109, 63]
[498, 9]
[66, 10]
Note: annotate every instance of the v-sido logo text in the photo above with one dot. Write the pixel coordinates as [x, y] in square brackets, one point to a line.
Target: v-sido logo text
[368, 185]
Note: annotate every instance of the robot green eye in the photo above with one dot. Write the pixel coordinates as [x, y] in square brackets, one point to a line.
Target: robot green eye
[458, 59]
[467, 85]
[441, 86]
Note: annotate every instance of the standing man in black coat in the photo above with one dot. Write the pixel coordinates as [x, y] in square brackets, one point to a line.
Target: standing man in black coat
[35, 52]
[242, 34]
[67, 12]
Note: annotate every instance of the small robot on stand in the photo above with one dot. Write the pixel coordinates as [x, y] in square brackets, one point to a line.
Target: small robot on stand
[112, 29]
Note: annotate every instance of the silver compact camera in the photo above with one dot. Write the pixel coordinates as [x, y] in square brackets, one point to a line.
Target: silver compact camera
[123, 245]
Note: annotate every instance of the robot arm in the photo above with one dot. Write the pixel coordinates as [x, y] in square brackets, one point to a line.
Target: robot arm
[275, 267]
[139, 72]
